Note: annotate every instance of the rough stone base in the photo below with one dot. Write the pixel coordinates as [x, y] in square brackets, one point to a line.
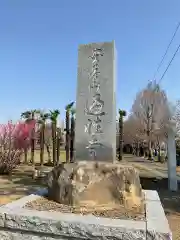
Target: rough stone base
[24, 224]
[94, 184]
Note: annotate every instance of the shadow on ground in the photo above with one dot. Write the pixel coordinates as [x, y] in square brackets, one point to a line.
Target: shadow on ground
[19, 183]
[170, 200]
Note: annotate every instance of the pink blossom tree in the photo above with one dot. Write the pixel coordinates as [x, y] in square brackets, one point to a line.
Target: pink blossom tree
[14, 140]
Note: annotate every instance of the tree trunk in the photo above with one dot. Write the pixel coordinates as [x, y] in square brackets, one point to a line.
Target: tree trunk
[25, 156]
[149, 148]
[67, 136]
[120, 138]
[49, 153]
[72, 140]
[58, 145]
[42, 144]
[137, 152]
[32, 142]
[32, 146]
[134, 149]
[149, 138]
[54, 142]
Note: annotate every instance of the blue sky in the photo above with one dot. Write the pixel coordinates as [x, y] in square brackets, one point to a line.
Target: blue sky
[39, 41]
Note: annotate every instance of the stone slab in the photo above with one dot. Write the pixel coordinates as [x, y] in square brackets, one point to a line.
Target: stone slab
[157, 223]
[106, 150]
[19, 223]
[151, 195]
[22, 201]
[13, 235]
[70, 225]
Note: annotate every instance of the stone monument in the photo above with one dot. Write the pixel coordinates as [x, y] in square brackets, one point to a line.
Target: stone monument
[95, 133]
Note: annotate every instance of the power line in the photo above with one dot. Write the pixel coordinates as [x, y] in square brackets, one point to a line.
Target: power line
[163, 57]
[169, 63]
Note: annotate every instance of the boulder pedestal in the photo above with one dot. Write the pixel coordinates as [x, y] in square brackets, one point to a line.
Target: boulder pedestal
[94, 184]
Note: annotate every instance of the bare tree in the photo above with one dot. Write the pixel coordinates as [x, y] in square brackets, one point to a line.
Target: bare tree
[151, 109]
[133, 134]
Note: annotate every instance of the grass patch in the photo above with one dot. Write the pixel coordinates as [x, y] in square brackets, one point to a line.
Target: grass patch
[18, 184]
[37, 156]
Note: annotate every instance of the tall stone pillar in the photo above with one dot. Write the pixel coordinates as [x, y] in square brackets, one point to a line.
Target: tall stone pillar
[95, 132]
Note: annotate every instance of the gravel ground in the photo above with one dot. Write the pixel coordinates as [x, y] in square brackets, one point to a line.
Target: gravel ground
[43, 204]
[174, 222]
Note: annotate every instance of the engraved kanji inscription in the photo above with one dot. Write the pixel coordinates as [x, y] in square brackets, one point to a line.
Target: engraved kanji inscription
[95, 108]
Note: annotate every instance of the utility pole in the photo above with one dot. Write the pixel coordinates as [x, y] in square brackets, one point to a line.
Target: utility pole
[172, 176]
